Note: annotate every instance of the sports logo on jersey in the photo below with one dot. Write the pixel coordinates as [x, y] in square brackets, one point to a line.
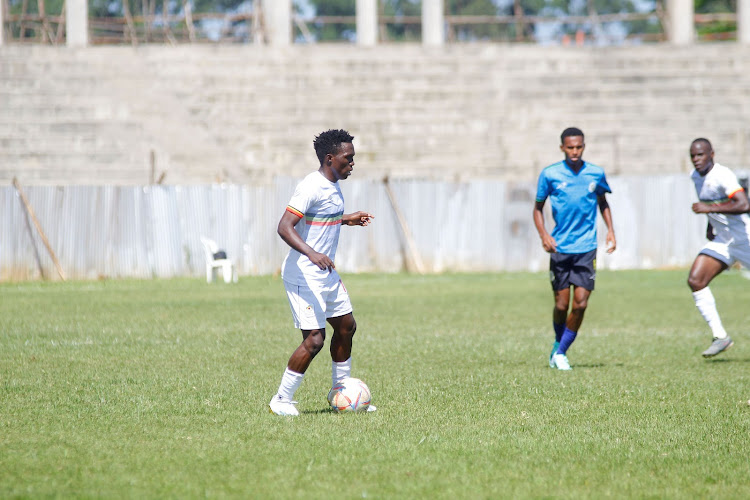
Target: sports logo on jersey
[592, 187]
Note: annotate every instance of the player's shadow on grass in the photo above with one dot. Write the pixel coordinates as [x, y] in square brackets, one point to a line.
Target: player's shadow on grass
[318, 412]
[728, 360]
[325, 410]
[597, 365]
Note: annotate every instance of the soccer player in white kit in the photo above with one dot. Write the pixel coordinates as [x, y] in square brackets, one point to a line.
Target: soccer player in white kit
[310, 226]
[725, 202]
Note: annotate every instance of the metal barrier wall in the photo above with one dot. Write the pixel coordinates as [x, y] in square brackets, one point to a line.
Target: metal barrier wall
[482, 225]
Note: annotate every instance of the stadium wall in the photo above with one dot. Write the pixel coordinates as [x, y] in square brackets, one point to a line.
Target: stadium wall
[245, 114]
[154, 231]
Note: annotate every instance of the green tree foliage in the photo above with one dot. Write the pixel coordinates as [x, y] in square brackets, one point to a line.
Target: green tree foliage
[401, 9]
[326, 32]
[715, 29]
[478, 8]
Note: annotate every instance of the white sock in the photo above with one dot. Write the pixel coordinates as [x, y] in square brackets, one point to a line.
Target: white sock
[706, 304]
[339, 371]
[290, 382]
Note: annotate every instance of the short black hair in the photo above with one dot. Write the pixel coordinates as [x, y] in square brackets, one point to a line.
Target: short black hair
[329, 142]
[570, 132]
[704, 141]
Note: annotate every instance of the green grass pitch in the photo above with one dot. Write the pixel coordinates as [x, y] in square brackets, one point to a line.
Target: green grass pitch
[159, 389]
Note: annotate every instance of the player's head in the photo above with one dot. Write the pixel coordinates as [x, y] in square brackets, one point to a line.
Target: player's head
[329, 143]
[702, 155]
[336, 154]
[570, 132]
[572, 145]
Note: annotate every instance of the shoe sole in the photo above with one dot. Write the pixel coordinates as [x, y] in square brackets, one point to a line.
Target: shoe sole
[717, 353]
[270, 410]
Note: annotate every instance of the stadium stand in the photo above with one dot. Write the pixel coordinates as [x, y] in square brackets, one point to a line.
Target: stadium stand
[245, 114]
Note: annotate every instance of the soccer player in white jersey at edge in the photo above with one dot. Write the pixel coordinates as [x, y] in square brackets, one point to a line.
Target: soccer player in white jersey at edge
[575, 189]
[310, 226]
[725, 202]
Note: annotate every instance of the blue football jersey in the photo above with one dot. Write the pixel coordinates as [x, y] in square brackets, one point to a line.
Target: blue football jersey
[573, 197]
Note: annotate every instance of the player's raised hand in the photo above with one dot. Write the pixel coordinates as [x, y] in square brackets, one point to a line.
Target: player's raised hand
[358, 219]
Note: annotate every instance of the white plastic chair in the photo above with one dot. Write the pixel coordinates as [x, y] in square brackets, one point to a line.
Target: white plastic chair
[212, 264]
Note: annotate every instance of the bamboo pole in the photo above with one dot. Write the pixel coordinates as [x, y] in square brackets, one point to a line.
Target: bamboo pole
[46, 29]
[258, 30]
[189, 20]
[414, 256]
[131, 24]
[518, 14]
[59, 37]
[31, 213]
[24, 10]
[165, 15]
[147, 20]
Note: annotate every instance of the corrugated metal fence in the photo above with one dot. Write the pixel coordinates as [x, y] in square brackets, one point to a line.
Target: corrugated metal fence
[154, 231]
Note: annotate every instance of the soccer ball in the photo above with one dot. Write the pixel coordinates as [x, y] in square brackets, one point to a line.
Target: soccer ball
[349, 395]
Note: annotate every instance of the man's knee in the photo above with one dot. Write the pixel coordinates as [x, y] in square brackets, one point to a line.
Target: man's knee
[562, 303]
[349, 329]
[696, 283]
[315, 341]
[579, 305]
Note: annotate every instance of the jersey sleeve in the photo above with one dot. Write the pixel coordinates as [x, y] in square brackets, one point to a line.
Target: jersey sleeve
[602, 187]
[730, 183]
[302, 200]
[542, 187]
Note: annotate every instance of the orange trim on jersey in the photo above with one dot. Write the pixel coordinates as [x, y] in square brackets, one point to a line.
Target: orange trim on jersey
[731, 195]
[294, 211]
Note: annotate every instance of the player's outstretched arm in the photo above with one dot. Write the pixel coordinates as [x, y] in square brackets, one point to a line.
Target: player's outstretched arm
[548, 242]
[607, 216]
[357, 219]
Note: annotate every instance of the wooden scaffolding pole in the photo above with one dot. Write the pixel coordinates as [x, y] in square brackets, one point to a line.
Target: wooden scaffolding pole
[31, 213]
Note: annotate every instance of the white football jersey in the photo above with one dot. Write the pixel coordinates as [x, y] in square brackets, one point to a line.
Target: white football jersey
[321, 205]
[718, 186]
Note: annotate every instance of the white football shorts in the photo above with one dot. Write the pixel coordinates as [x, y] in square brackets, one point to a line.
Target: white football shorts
[729, 253]
[311, 306]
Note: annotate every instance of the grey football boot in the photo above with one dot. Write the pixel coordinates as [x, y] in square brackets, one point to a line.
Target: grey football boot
[718, 346]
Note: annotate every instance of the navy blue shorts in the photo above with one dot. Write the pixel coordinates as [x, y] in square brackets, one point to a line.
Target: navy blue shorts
[577, 269]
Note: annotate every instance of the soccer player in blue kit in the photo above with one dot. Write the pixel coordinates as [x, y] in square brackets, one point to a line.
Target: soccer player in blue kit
[575, 189]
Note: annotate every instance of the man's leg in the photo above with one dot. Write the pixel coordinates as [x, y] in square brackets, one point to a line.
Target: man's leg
[704, 269]
[559, 315]
[559, 267]
[575, 318]
[312, 342]
[344, 328]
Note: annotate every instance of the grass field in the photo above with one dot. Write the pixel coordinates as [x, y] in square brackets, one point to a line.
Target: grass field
[159, 389]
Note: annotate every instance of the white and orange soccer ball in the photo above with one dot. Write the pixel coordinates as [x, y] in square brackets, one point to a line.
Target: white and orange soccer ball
[350, 395]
